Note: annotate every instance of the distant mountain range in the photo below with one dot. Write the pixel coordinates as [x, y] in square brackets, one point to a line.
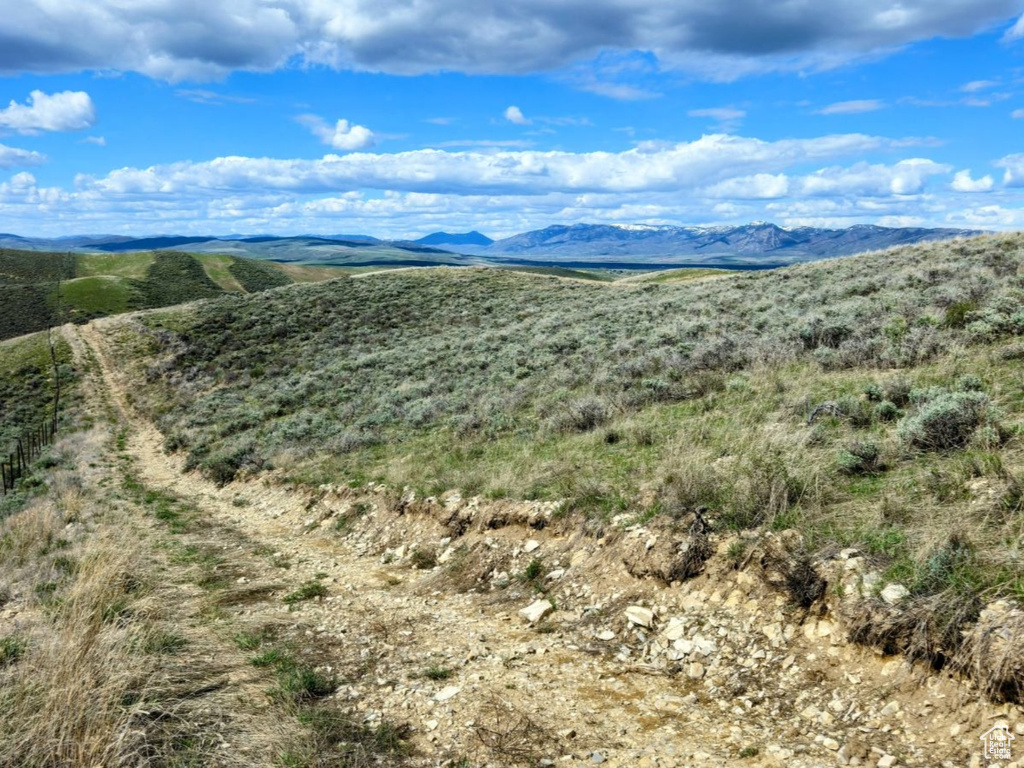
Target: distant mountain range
[755, 245]
[446, 239]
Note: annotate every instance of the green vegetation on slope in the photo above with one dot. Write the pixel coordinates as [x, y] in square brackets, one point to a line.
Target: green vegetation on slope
[86, 297]
[31, 268]
[98, 285]
[26, 384]
[257, 275]
[26, 401]
[120, 264]
[24, 309]
[174, 278]
[26, 288]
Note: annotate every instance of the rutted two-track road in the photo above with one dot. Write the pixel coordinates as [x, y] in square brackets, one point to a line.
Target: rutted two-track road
[745, 679]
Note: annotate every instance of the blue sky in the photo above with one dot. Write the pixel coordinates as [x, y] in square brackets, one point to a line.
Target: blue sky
[399, 118]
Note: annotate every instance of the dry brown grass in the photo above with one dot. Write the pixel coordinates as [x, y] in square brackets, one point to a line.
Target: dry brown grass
[109, 669]
[993, 652]
[78, 694]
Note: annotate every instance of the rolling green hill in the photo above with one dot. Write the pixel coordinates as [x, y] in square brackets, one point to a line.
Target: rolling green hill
[97, 285]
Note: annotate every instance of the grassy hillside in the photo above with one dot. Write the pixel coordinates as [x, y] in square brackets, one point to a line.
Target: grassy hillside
[26, 281]
[26, 384]
[97, 285]
[641, 399]
[27, 399]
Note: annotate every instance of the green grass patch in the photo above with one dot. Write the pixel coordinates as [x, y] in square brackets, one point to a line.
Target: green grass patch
[308, 591]
[164, 643]
[437, 673]
[132, 265]
[11, 650]
[87, 297]
[218, 269]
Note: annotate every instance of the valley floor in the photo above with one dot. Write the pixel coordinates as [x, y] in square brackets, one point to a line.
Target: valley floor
[726, 672]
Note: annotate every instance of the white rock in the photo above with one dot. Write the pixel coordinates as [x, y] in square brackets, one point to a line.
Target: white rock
[531, 545]
[447, 693]
[890, 709]
[893, 593]
[675, 629]
[537, 610]
[555, 575]
[683, 646]
[703, 645]
[695, 671]
[828, 743]
[606, 635]
[886, 761]
[431, 725]
[642, 617]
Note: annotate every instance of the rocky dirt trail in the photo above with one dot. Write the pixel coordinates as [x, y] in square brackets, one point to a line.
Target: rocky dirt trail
[424, 623]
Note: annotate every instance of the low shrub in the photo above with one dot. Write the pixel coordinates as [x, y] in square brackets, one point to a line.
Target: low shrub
[423, 558]
[862, 457]
[957, 313]
[582, 415]
[947, 420]
[887, 410]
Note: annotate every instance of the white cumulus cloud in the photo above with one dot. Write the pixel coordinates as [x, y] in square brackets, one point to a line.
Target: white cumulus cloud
[907, 177]
[515, 115]
[64, 111]
[962, 182]
[648, 167]
[342, 135]
[716, 178]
